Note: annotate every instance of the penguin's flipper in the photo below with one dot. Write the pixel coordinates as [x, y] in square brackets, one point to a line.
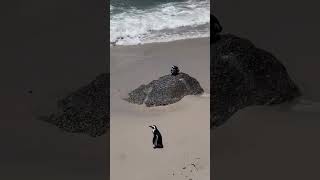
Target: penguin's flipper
[154, 140]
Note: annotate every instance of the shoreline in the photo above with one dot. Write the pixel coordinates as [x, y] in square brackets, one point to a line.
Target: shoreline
[159, 42]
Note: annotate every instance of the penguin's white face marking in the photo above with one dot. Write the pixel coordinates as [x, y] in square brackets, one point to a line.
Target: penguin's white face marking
[153, 127]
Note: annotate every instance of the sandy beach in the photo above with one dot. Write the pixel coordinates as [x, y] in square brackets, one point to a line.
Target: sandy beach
[278, 142]
[184, 125]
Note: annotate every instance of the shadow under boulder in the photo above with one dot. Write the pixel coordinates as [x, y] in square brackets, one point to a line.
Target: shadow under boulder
[243, 75]
[166, 90]
[84, 111]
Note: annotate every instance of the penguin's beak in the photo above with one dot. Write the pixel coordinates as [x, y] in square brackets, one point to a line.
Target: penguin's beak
[150, 126]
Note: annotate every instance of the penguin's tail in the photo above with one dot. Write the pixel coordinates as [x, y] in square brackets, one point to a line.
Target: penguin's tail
[158, 147]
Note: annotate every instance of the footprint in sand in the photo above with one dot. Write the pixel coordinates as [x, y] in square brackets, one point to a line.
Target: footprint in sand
[189, 170]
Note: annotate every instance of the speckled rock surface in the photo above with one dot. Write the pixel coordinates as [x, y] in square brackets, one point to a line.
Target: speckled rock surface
[84, 111]
[243, 75]
[166, 90]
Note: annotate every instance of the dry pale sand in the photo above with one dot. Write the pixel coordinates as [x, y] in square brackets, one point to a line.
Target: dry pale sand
[184, 125]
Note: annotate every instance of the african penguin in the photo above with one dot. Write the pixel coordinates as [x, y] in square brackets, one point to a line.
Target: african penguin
[174, 70]
[157, 138]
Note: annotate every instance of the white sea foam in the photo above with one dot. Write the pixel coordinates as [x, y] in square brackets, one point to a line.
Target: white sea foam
[166, 22]
[206, 95]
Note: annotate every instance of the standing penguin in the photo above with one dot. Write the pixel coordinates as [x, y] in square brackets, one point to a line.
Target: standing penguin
[157, 138]
[174, 70]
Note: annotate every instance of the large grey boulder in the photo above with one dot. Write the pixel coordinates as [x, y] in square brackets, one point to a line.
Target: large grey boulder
[84, 111]
[166, 90]
[243, 75]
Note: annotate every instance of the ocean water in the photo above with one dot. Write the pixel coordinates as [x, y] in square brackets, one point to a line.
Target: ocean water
[146, 21]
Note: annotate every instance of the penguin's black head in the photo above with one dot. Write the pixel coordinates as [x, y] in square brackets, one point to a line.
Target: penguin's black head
[174, 70]
[153, 127]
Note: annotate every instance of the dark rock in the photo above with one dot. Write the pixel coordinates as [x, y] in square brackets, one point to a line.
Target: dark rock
[166, 90]
[243, 75]
[215, 29]
[85, 110]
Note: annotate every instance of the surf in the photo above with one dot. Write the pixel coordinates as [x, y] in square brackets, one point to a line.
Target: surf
[161, 23]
